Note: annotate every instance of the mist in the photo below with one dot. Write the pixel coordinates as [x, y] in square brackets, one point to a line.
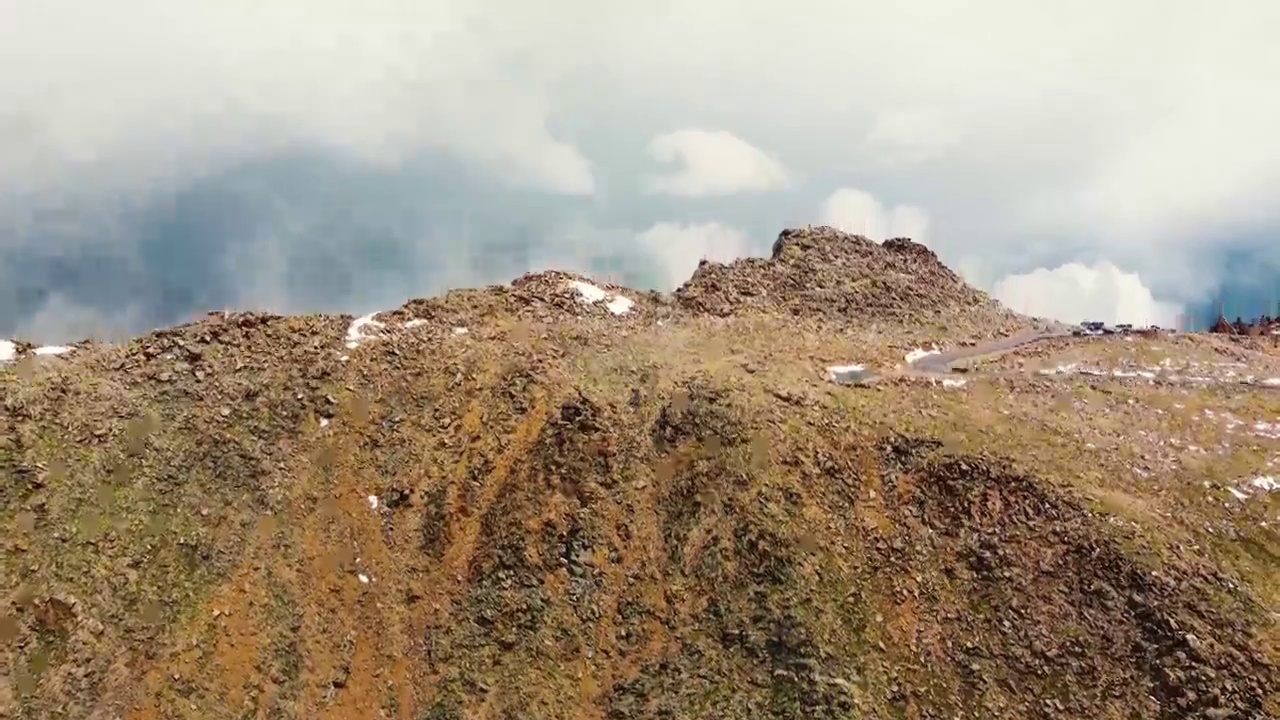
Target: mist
[159, 160]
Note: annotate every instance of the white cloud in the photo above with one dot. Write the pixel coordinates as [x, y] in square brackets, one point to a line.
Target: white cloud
[910, 136]
[60, 319]
[1080, 134]
[679, 248]
[860, 213]
[1075, 292]
[714, 163]
[158, 89]
[1152, 159]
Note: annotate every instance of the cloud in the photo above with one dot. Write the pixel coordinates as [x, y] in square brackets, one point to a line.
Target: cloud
[858, 212]
[322, 154]
[679, 248]
[150, 91]
[1075, 292]
[714, 163]
[59, 319]
[910, 136]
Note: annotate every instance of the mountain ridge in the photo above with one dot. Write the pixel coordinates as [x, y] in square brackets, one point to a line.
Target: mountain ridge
[534, 500]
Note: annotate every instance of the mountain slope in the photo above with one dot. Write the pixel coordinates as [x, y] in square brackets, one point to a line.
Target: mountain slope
[542, 501]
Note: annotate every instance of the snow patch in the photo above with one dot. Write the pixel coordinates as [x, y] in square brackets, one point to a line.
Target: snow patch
[953, 382]
[847, 373]
[1261, 485]
[920, 353]
[373, 502]
[1267, 430]
[460, 331]
[8, 351]
[1163, 372]
[842, 369]
[324, 422]
[1133, 373]
[591, 294]
[51, 350]
[364, 579]
[416, 322]
[358, 331]
[620, 305]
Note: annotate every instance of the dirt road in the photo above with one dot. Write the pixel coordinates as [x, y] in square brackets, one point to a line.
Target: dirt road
[942, 363]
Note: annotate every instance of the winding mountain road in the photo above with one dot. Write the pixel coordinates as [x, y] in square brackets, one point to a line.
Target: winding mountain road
[944, 362]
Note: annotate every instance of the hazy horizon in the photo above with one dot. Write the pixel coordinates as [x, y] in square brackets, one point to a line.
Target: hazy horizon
[158, 160]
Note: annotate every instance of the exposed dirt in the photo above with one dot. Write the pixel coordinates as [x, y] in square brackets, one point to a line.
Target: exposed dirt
[518, 502]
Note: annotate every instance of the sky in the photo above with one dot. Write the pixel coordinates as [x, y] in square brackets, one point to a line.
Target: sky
[160, 159]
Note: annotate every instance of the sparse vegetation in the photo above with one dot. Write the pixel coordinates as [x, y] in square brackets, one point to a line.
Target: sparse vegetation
[566, 513]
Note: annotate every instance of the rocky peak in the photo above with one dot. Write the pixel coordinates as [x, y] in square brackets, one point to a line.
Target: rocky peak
[823, 272]
[795, 244]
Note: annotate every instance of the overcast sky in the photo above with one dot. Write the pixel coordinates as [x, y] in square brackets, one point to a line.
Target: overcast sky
[160, 158]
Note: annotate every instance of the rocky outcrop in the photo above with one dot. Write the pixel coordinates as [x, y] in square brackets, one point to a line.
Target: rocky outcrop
[1263, 325]
[828, 274]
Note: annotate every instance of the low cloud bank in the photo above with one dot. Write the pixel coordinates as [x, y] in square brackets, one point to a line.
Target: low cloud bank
[1075, 292]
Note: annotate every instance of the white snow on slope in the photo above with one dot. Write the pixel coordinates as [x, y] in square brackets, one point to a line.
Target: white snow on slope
[51, 350]
[1260, 485]
[1163, 372]
[1147, 374]
[9, 350]
[620, 305]
[835, 372]
[359, 330]
[919, 353]
[1266, 429]
[591, 294]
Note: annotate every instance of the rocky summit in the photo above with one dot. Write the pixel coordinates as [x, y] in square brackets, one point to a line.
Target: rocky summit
[565, 499]
[849, 280]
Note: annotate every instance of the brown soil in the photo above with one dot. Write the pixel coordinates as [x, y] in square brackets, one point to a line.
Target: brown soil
[666, 513]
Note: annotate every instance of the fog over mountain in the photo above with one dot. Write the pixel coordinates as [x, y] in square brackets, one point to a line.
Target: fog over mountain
[159, 160]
